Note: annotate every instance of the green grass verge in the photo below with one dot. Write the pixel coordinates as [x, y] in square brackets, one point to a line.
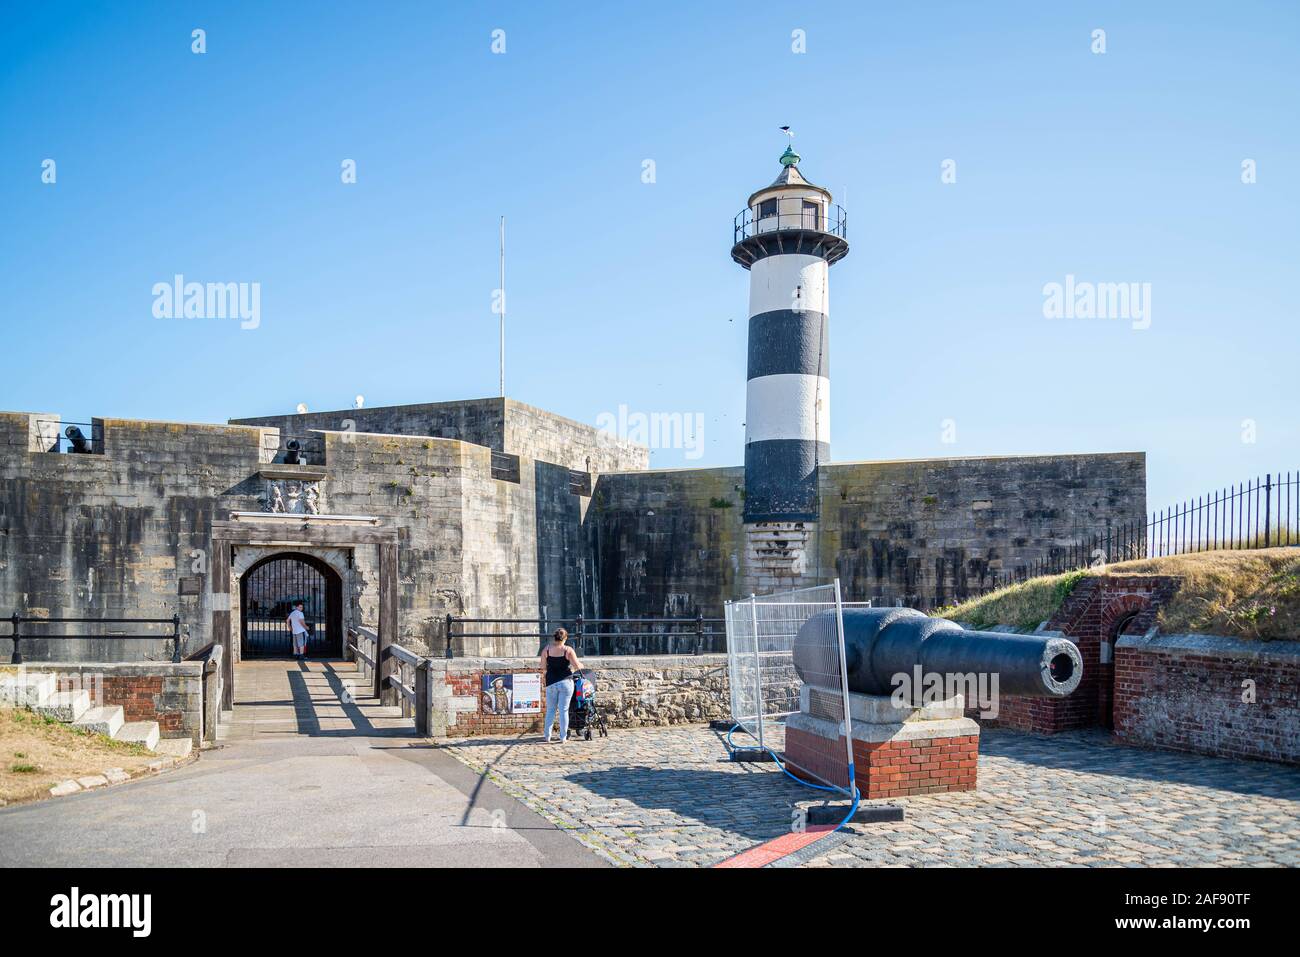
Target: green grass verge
[1251, 593]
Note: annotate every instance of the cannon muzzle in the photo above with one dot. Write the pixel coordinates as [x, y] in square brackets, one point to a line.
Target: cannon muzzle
[292, 452]
[80, 444]
[882, 643]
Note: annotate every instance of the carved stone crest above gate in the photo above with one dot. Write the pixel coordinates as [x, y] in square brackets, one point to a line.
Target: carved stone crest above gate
[293, 491]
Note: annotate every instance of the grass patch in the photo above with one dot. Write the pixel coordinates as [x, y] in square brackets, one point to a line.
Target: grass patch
[37, 752]
[1243, 594]
[1023, 605]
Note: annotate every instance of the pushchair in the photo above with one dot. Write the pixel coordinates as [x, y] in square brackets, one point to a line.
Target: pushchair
[584, 714]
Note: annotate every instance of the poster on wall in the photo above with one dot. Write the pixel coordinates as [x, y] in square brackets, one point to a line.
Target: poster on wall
[512, 694]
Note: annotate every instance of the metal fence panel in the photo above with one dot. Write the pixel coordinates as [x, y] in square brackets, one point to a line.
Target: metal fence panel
[766, 688]
[743, 672]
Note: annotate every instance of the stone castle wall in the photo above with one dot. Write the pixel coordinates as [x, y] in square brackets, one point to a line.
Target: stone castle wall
[116, 532]
[633, 692]
[925, 531]
[112, 534]
[502, 425]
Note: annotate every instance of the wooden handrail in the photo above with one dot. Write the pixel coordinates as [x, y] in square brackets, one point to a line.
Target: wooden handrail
[405, 658]
[407, 691]
[403, 655]
[361, 654]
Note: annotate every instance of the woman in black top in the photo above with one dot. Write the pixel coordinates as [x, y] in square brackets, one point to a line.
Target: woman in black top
[558, 664]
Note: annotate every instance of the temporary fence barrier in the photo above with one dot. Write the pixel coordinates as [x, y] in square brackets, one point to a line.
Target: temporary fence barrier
[765, 688]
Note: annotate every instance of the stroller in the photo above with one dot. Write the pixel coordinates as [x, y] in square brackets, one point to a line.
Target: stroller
[584, 715]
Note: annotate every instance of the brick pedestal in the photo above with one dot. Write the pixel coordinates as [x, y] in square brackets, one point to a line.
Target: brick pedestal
[896, 751]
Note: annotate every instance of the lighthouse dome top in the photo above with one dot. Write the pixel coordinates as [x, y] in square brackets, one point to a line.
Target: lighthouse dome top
[789, 178]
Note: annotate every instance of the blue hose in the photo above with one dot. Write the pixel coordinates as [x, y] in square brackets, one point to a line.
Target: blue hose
[857, 795]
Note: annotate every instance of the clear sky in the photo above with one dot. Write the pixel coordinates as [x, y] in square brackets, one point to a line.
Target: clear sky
[225, 166]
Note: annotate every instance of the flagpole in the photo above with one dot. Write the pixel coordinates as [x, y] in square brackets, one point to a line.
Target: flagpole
[503, 307]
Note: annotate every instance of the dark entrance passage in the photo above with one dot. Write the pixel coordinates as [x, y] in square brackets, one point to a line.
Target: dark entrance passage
[1106, 690]
[266, 596]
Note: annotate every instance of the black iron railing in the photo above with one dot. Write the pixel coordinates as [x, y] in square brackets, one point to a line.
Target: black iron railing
[753, 221]
[603, 636]
[1260, 513]
[18, 621]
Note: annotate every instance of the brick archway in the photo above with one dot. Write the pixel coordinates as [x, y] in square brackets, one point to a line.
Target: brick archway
[1090, 617]
[1122, 611]
[1116, 617]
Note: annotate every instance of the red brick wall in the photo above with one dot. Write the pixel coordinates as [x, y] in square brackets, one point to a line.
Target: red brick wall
[889, 768]
[1090, 617]
[473, 723]
[138, 696]
[1185, 693]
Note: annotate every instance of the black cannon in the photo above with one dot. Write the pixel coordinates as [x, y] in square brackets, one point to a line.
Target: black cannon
[881, 643]
[77, 438]
[293, 452]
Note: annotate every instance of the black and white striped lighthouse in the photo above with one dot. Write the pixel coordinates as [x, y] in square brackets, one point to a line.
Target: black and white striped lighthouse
[788, 236]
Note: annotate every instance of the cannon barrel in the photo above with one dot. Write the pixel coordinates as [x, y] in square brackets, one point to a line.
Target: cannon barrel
[880, 643]
[78, 439]
[293, 452]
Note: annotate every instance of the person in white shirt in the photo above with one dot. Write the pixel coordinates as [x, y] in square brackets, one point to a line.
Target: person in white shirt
[298, 625]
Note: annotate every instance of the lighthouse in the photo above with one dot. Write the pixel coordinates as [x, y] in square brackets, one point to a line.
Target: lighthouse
[788, 236]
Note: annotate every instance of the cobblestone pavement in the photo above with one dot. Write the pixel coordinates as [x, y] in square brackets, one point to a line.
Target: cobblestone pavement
[667, 797]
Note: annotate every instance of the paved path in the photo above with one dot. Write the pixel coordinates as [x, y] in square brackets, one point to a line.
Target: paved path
[308, 774]
[666, 797]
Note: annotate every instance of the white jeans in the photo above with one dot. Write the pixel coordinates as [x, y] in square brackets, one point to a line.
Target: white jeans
[558, 696]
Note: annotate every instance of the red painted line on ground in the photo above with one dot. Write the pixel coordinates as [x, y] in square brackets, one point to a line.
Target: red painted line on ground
[763, 854]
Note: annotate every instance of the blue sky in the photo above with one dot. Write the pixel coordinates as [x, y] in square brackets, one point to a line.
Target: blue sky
[225, 167]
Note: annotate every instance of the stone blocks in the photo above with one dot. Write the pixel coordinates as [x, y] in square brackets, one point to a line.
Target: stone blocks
[632, 692]
[26, 690]
[170, 695]
[66, 706]
[107, 719]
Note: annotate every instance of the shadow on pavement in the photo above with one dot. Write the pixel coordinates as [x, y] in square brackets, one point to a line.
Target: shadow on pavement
[1095, 752]
[757, 806]
[304, 708]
